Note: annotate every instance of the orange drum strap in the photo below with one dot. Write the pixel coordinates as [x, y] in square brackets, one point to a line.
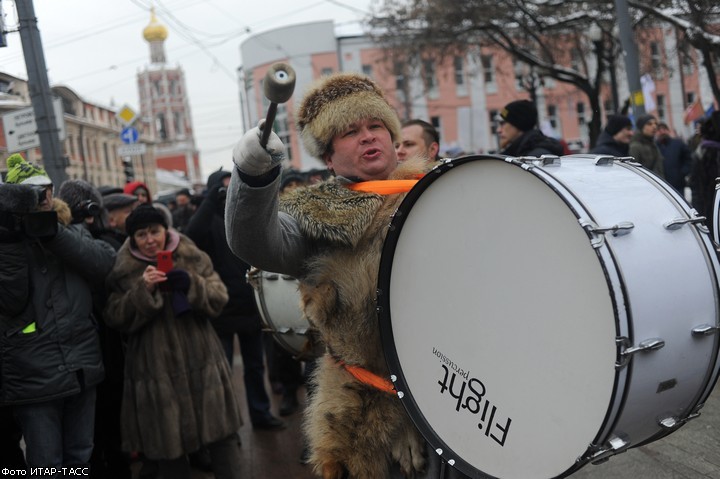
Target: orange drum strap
[383, 187]
[369, 378]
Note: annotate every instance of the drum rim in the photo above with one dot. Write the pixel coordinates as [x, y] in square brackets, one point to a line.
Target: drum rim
[617, 402]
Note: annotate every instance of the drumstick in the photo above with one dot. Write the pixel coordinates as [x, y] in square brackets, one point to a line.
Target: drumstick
[278, 87]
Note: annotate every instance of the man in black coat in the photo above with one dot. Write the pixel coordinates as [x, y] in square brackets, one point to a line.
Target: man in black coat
[519, 135]
[614, 139]
[240, 316]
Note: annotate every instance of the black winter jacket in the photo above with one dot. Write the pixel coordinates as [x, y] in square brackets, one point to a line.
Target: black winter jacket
[606, 145]
[60, 354]
[207, 230]
[534, 143]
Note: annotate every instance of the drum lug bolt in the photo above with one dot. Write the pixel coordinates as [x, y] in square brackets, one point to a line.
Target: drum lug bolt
[678, 223]
[652, 344]
[671, 423]
[704, 330]
[598, 232]
[614, 446]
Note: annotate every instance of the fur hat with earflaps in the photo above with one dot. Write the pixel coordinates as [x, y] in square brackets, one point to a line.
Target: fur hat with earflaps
[335, 102]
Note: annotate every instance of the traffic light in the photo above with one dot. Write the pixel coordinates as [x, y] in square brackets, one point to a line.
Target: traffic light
[128, 169]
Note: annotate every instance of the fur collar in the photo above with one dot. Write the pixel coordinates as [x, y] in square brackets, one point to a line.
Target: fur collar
[329, 211]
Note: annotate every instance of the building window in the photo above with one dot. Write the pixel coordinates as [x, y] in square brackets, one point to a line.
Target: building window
[459, 67]
[488, 68]
[430, 78]
[655, 59]
[552, 116]
[575, 59]
[494, 121]
[367, 70]
[687, 63]
[580, 108]
[178, 120]
[326, 71]
[106, 153]
[156, 88]
[689, 98]
[661, 107]
[160, 126]
[399, 77]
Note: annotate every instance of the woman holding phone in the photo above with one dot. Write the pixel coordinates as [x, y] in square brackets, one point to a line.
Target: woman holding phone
[178, 395]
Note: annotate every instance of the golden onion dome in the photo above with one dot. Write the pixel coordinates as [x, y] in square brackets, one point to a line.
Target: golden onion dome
[155, 31]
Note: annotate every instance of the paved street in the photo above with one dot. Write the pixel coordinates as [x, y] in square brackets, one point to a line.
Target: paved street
[692, 452]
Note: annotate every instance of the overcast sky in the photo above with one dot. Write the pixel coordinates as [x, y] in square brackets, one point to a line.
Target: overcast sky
[96, 48]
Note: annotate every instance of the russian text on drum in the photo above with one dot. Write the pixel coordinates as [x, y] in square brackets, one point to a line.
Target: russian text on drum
[475, 399]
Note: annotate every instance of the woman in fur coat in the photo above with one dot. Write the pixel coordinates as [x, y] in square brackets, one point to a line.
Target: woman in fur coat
[178, 394]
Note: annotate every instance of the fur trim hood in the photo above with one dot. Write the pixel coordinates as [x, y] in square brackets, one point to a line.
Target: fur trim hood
[336, 101]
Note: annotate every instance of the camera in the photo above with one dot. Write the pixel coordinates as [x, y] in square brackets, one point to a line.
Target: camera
[85, 209]
[38, 224]
[19, 217]
[39, 192]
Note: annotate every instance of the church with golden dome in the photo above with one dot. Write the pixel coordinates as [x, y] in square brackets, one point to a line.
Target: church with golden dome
[164, 103]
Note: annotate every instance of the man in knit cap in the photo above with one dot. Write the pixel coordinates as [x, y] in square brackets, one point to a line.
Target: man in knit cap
[20, 172]
[643, 147]
[519, 135]
[329, 237]
[615, 138]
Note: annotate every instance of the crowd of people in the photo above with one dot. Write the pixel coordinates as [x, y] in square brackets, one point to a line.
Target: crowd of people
[119, 316]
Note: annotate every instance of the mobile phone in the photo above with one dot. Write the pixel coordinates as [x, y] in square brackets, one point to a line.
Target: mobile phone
[164, 261]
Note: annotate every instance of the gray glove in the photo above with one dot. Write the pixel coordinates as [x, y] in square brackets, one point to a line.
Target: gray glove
[254, 160]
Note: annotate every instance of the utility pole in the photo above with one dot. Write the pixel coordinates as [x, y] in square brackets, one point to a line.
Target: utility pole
[40, 95]
[630, 54]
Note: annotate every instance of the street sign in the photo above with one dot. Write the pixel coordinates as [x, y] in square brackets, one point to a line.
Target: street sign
[21, 129]
[129, 135]
[126, 115]
[132, 150]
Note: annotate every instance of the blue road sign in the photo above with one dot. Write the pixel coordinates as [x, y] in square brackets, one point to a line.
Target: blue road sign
[129, 135]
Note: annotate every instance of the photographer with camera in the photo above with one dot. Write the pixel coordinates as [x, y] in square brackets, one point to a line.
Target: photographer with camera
[50, 356]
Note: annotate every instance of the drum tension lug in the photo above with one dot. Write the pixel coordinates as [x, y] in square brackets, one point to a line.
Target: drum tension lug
[672, 423]
[704, 330]
[620, 229]
[678, 223]
[627, 350]
[614, 445]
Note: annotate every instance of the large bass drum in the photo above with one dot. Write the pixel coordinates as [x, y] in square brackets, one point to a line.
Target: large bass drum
[540, 315]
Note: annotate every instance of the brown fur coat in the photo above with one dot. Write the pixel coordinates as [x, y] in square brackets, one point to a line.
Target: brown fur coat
[178, 392]
[351, 426]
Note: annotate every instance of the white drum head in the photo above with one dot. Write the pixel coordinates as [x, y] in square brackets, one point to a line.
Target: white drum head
[498, 321]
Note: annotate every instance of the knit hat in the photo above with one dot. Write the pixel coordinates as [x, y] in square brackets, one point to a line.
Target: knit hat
[642, 120]
[616, 123]
[142, 217]
[20, 172]
[335, 102]
[116, 201]
[83, 198]
[522, 114]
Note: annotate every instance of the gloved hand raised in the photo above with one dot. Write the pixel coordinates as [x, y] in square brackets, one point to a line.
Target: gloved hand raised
[254, 160]
[178, 280]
